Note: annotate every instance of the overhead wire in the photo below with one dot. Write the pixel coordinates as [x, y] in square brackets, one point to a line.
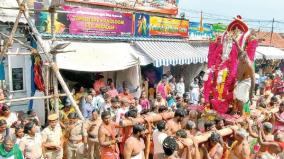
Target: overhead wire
[210, 17]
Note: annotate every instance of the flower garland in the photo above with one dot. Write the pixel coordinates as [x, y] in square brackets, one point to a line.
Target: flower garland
[221, 76]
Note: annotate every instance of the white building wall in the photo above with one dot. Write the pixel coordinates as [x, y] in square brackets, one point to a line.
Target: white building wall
[18, 61]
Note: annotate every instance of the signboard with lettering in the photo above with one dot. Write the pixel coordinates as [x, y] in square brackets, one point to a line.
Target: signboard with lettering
[198, 31]
[88, 21]
[147, 26]
[17, 79]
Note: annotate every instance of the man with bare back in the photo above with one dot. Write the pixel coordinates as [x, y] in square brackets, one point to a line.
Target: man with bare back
[243, 91]
[174, 124]
[240, 148]
[107, 138]
[134, 145]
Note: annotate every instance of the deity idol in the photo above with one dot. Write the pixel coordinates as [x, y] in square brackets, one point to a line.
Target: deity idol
[221, 76]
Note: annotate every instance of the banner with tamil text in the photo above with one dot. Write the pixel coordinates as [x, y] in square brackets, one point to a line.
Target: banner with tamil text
[87, 21]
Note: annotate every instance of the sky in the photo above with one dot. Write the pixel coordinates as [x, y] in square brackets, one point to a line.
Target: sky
[259, 13]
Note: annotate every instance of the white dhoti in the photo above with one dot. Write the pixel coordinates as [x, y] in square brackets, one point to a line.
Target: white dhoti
[241, 91]
[138, 156]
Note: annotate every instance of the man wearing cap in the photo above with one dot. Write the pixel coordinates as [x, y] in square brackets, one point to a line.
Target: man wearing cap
[52, 139]
[76, 135]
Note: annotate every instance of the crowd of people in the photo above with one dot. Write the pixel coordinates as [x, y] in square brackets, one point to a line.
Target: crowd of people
[104, 107]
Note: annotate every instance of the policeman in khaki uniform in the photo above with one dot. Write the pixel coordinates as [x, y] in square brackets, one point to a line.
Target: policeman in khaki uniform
[76, 135]
[52, 139]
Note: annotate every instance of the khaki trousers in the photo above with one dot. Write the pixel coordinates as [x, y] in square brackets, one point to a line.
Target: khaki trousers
[74, 151]
[54, 154]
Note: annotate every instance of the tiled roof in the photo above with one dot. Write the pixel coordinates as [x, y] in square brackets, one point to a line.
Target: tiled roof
[276, 39]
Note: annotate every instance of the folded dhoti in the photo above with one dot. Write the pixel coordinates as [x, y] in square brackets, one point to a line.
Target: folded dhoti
[241, 91]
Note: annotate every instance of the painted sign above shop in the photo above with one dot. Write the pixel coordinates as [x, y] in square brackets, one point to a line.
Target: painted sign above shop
[219, 27]
[88, 21]
[148, 26]
[157, 6]
[199, 31]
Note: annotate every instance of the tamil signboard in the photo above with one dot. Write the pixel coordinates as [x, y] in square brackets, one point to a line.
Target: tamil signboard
[157, 6]
[148, 26]
[199, 31]
[87, 21]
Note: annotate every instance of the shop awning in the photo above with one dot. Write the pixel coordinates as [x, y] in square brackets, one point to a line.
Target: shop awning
[258, 56]
[171, 53]
[9, 15]
[97, 57]
[270, 53]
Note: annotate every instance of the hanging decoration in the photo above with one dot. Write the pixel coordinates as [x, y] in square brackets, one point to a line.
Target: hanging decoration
[38, 80]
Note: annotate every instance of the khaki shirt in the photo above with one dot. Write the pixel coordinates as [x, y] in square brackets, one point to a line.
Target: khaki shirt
[78, 132]
[32, 146]
[53, 136]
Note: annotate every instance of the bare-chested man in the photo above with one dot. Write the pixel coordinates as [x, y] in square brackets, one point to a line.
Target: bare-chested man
[216, 148]
[134, 145]
[240, 148]
[170, 147]
[243, 91]
[92, 126]
[107, 138]
[174, 124]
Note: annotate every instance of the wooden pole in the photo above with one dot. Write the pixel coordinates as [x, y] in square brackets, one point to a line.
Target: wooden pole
[9, 42]
[21, 43]
[30, 98]
[47, 87]
[147, 118]
[53, 65]
[54, 79]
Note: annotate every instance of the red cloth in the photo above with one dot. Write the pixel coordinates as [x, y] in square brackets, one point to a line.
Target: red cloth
[129, 97]
[110, 152]
[126, 133]
[38, 74]
[98, 84]
[281, 144]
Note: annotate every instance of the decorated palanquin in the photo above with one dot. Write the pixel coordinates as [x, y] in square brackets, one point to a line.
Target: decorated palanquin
[221, 76]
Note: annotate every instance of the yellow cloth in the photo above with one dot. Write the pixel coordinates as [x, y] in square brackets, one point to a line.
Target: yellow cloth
[64, 115]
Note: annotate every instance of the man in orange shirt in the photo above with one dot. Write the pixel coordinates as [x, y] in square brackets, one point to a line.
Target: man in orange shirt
[125, 95]
[99, 83]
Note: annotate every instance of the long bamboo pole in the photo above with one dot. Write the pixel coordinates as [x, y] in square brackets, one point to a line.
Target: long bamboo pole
[12, 34]
[47, 87]
[53, 65]
[31, 98]
[147, 118]
[54, 79]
